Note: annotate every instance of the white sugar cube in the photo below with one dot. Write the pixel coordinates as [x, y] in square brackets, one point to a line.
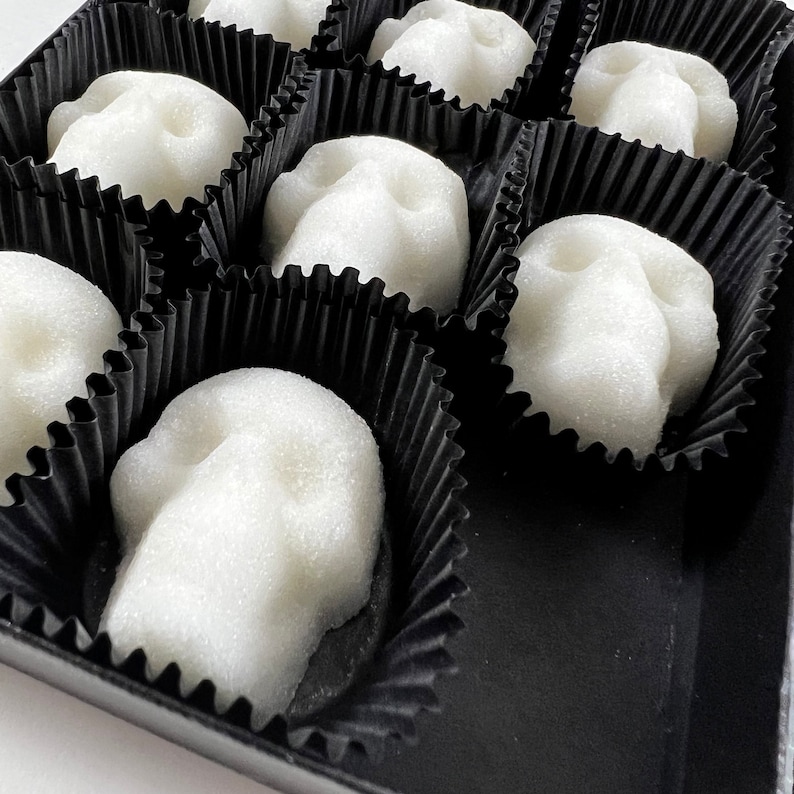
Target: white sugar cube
[249, 521]
[474, 53]
[656, 95]
[293, 21]
[379, 205]
[160, 136]
[613, 329]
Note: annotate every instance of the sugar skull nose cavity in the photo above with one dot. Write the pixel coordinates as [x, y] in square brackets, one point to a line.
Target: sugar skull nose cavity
[469, 52]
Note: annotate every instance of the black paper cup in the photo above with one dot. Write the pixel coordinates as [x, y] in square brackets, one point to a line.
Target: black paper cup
[245, 69]
[327, 104]
[350, 27]
[104, 248]
[725, 220]
[743, 39]
[341, 335]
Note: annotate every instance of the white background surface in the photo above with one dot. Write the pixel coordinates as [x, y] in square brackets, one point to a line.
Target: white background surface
[52, 743]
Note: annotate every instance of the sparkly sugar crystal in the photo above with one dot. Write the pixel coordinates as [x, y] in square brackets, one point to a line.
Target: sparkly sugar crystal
[293, 21]
[249, 521]
[54, 328]
[473, 53]
[379, 205]
[162, 136]
[613, 329]
[658, 96]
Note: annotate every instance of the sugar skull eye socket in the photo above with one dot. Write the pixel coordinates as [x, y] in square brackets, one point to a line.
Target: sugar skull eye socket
[623, 61]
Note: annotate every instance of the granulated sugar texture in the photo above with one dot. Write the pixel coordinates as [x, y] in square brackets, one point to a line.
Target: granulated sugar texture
[249, 521]
[473, 53]
[54, 328]
[657, 95]
[160, 136]
[613, 329]
[293, 21]
[376, 204]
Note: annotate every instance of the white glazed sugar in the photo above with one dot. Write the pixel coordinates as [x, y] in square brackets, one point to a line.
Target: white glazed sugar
[656, 95]
[54, 328]
[293, 21]
[162, 136]
[613, 329]
[474, 53]
[376, 204]
[249, 521]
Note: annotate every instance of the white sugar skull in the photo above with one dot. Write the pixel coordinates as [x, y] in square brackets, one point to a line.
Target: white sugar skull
[613, 329]
[474, 53]
[658, 96]
[379, 205]
[160, 136]
[54, 328]
[293, 21]
[249, 521]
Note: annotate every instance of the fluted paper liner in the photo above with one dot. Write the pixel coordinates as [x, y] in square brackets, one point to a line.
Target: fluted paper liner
[726, 221]
[342, 335]
[104, 248]
[326, 104]
[245, 69]
[350, 26]
[744, 41]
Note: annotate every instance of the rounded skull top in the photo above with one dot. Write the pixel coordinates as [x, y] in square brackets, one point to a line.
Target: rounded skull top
[249, 521]
[160, 136]
[469, 52]
[658, 96]
[379, 205]
[613, 329]
[293, 21]
[54, 328]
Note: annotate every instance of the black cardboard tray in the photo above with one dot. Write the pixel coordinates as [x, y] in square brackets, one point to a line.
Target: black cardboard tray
[619, 640]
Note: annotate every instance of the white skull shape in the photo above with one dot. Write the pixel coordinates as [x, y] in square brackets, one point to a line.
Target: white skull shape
[469, 52]
[160, 136]
[249, 521]
[54, 328]
[293, 21]
[379, 205]
[613, 328]
[657, 95]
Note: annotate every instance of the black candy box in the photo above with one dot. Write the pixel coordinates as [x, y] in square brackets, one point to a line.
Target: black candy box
[625, 631]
